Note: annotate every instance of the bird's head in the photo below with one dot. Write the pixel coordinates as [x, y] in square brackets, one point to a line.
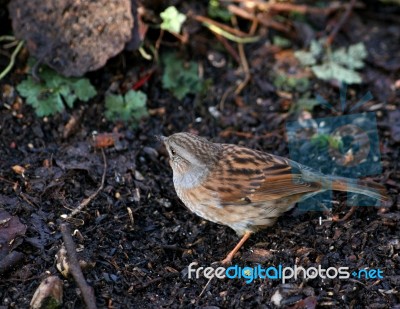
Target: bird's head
[190, 152]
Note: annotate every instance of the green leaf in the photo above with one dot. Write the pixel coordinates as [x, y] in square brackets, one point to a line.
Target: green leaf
[289, 83]
[49, 105]
[310, 58]
[83, 89]
[66, 94]
[353, 57]
[305, 58]
[215, 10]
[340, 65]
[114, 105]
[329, 71]
[281, 41]
[29, 89]
[43, 100]
[316, 48]
[179, 77]
[320, 140]
[48, 96]
[305, 103]
[172, 20]
[128, 108]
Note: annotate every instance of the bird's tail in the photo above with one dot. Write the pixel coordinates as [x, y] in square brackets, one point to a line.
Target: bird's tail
[368, 188]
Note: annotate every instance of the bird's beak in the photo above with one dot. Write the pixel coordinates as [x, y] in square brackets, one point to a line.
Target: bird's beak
[161, 138]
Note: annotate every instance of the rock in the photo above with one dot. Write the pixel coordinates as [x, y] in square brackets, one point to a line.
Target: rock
[72, 37]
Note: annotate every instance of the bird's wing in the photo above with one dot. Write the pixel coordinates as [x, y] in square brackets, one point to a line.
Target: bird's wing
[244, 175]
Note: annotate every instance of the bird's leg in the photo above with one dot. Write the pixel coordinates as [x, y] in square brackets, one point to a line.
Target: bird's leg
[231, 254]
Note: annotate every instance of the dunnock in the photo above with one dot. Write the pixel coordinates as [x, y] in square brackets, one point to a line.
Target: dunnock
[246, 189]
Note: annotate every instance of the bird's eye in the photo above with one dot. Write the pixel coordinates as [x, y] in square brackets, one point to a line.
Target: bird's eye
[173, 152]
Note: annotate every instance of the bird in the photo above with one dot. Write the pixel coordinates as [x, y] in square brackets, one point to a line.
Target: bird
[246, 189]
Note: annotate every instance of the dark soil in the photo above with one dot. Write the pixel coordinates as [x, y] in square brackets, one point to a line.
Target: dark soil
[141, 261]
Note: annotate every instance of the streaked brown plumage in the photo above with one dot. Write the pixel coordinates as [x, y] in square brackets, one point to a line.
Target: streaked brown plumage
[246, 189]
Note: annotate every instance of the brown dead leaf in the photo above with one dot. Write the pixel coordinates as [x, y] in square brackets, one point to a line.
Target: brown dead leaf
[10, 228]
[20, 170]
[105, 140]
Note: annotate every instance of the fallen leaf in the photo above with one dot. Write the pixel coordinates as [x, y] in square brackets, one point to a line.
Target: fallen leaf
[105, 140]
[50, 291]
[10, 228]
[20, 170]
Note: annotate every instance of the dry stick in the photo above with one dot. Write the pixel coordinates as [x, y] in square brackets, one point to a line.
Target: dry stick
[261, 18]
[298, 8]
[205, 287]
[86, 201]
[76, 271]
[7, 38]
[145, 285]
[228, 47]
[240, 12]
[224, 27]
[6, 180]
[10, 260]
[12, 60]
[266, 20]
[246, 70]
[235, 10]
[352, 210]
[341, 22]
[244, 64]
[291, 7]
[221, 104]
[248, 135]
[254, 26]
[160, 37]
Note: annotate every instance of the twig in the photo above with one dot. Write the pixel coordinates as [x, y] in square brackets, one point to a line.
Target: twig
[228, 47]
[10, 45]
[6, 180]
[35, 70]
[262, 18]
[229, 132]
[27, 199]
[244, 64]
[254, 26]
[7, 38]
[292, 7]
[184, 38]
[240, 12]
[227, 92]
[230, 36]
[10, 260]
[356, 281]
[230, 33]
[266, 20]
[86, 201]
[340, 23]
[245, 67]
[156, 280]
[12, 60]
[76, 271]
[160, 37]
[205, 287]
[346, 216]
[224, 27]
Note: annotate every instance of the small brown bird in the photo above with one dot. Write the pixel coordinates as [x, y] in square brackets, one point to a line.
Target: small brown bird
[246, 189]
